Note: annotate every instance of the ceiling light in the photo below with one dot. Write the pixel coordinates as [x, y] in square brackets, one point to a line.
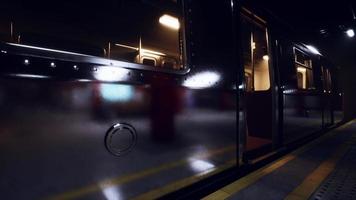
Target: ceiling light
[350, 33]
[313, 50]
[169, 21]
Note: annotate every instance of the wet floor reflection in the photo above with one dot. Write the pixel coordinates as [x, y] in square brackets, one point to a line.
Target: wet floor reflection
[52, 140]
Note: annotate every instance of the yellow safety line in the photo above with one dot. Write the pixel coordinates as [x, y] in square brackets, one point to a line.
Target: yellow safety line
[244, 182]
[171, 187]
[316, 177]
[80, 192]
[248, 180]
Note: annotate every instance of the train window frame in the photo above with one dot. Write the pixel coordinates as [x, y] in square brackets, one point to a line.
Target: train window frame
[308, 83]
[257, 21]
[183, 57]
[182, 61]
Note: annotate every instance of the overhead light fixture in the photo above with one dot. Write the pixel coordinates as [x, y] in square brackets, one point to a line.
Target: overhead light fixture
[313, 50]
[169, 21]
[265, 57]
[323, 31]
[350, 32]
[53, 65]
[127, 46]
[146, 51]
[143, 51]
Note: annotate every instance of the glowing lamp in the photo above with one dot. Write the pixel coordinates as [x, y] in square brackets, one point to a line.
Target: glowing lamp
[265, 57]
[169, 21]
[350, 33]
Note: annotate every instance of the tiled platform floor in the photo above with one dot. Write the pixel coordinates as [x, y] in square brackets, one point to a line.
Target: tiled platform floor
[323, 169]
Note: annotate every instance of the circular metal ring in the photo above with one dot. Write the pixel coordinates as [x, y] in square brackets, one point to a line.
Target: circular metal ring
[115, 130]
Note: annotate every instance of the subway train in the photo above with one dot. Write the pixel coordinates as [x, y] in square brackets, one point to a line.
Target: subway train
[138, 99]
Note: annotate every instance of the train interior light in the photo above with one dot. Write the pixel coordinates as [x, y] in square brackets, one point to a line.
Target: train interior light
[169, 21]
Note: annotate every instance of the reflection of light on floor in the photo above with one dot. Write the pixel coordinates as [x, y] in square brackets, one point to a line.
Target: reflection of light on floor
[197, 162]
[111, 193]
[114, 92]
[200, 165]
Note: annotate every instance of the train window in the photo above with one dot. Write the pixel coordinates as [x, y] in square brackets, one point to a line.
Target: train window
[134, 31]
[255, 55]
[304, 69]
[152, 36]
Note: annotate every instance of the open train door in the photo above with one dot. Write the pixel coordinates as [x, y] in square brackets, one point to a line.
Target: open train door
[258, 86]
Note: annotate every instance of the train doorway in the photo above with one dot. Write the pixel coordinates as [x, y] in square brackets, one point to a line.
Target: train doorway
[258, 92]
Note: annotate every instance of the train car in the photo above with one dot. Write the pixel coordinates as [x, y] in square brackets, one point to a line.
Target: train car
[140, 98]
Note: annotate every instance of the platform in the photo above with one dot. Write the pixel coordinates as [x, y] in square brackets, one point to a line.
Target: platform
[322, 169]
